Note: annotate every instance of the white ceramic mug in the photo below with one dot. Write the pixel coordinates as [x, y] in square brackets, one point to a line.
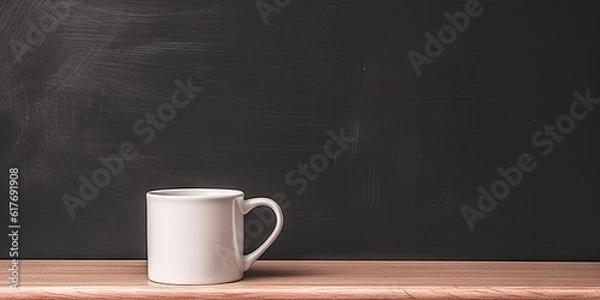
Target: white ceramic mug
[196, 235]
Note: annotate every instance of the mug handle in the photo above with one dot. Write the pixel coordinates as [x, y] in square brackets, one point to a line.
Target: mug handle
[251, 204]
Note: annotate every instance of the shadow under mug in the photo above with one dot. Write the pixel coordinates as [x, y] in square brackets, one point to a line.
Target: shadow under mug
[196, 235]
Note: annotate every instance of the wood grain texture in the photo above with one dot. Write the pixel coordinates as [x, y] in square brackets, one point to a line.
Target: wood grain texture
[126, 279]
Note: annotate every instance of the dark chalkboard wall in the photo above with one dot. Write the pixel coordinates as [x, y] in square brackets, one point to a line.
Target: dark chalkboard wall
[274, 81]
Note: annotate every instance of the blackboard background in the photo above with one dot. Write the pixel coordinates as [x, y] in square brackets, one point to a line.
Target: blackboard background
[422, 144]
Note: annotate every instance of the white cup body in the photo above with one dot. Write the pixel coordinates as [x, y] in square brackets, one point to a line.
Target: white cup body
[195, 236]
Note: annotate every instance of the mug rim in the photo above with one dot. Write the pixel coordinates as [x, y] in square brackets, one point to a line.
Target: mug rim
[194, 193]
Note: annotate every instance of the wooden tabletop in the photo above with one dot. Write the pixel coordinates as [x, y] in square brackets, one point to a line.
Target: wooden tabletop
[126, 279]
